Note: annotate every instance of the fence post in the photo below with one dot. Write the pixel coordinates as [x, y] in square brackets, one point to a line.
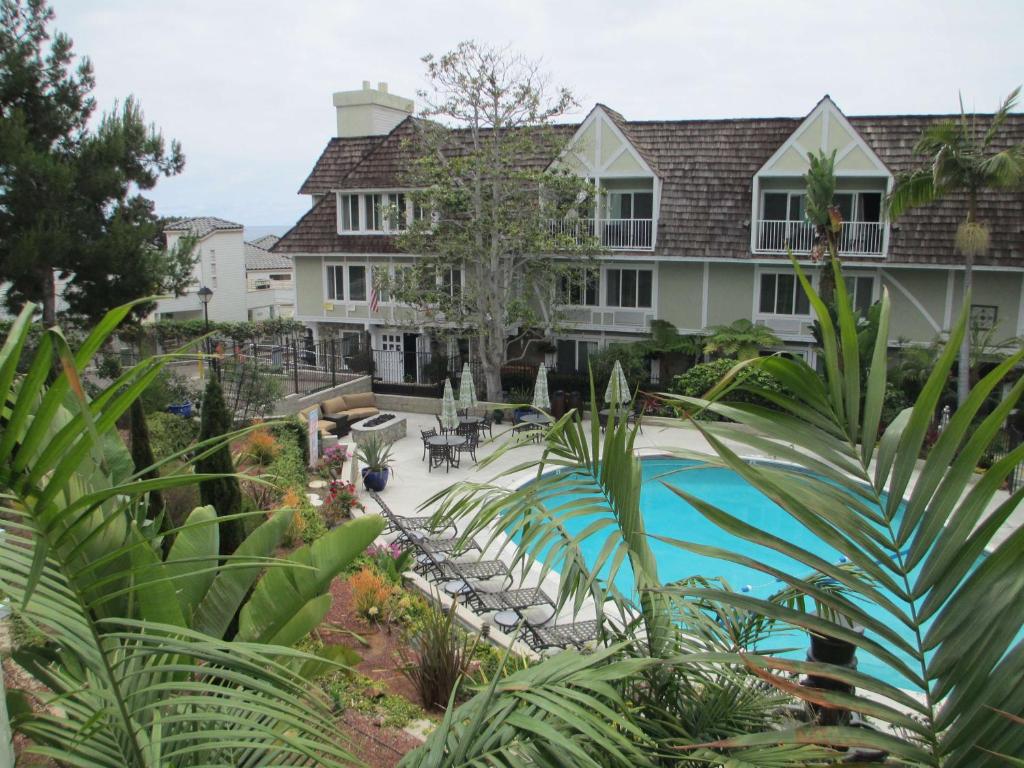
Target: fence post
[334, 365]
[295, 364]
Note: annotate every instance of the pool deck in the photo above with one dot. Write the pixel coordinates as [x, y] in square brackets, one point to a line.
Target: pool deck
[411, 485]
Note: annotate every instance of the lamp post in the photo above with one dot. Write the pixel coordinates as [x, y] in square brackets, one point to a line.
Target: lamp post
[205, 294]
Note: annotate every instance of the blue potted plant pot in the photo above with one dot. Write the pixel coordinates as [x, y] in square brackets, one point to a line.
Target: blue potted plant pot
[375, 480]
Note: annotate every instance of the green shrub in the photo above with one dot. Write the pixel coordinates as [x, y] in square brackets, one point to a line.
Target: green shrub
[442, 654]
[293, 431]
[169, 434]
[632, 358]
[223, 493]
[288, 469]
[698, 380]
[313, 526]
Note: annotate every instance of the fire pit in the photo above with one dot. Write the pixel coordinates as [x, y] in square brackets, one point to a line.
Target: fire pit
[387, 426]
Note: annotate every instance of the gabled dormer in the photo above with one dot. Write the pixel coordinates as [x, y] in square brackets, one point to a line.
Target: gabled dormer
[862, 182]
[625, 216]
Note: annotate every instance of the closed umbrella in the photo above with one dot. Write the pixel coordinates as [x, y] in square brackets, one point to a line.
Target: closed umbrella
[541, 401]
[467, 389]
[449, 416]
[618, 388]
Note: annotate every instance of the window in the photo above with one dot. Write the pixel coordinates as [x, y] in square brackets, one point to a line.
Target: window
[213, 268]
[628, 288]
[281, 277]
[357, 283]
[451, 282]
[630, 205]
[783, 206]
[573, 354]
[374, 212]
[781, 294]
[336, 282]
[579, 288]
[397, 213]
[862, 292]
[349, 205]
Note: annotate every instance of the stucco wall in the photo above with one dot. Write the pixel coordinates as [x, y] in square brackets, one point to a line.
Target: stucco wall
[309, 288]
[680, 292]
[730, 292]
[908, 320]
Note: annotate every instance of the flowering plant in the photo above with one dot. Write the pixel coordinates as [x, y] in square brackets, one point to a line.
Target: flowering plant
[341, 500]
[332, 463]
[390, 560]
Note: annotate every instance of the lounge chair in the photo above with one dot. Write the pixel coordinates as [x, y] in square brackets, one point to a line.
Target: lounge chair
[480, 601]
[438, 566]
[574, 633]
[400, 523]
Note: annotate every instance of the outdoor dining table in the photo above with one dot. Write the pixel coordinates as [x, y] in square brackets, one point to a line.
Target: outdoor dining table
[474, 421]
[535, 418]
[450, 442]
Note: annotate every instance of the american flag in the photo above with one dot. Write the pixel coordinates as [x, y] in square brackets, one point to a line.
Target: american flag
[374, 299]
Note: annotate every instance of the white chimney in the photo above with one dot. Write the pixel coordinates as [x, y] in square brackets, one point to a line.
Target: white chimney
[369, 112]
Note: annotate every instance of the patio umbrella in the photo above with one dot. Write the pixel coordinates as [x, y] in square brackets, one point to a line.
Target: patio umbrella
[617, 393]
[449, 416]
[467, 389]
[541, 401]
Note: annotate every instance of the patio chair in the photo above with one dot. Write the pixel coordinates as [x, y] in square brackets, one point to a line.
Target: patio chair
[481, 601]
[439, 455]
[403, 524]
[636, 416]
[424, 434]
[435, 565]
[487, 423]
[441, 429]
[574, 633]
[472, 436]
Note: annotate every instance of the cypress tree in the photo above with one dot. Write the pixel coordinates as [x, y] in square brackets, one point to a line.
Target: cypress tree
[142, 456]
[223, 493]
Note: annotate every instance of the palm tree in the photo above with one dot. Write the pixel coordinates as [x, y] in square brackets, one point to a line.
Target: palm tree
[913, 562]
[133, 670]
[741, 339]
[821, 211]
[962, 157]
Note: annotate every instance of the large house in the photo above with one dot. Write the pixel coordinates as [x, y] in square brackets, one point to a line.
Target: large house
[695, 217]
[248, 281]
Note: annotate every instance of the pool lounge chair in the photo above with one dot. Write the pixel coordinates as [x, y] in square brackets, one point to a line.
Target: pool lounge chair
[405, 524]
[481, 601]
[574, 633]
[440, 566]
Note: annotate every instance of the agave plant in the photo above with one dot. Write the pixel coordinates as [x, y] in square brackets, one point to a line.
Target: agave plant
[914, 533]
[126, 677]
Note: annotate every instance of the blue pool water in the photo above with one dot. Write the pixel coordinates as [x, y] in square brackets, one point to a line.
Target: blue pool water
[667, 514]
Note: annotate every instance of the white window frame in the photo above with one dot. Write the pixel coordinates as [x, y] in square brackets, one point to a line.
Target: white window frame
[362, 197]
[576, 339]
[603, 298]
[875, 283]
[759, 273]
[607, 193]
[578, 278]
[346, 266]
[800, 192]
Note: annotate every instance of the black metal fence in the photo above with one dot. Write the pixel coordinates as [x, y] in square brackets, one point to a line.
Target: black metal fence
[1008, 440]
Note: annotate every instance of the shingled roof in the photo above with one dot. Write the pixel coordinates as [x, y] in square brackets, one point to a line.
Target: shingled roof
[707, 169]
[257, 257]
[201, 226]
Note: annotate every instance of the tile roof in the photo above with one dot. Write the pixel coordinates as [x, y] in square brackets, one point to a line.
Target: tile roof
[707, 169]
[266, 242]
[257, 257]
[201, 226]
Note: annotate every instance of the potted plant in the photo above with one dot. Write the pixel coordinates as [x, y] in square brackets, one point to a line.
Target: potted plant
[375, 455]
[520, 396]
[499, 415]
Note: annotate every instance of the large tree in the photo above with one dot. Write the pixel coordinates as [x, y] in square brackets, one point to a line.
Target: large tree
[964, 156]
[70, 194]
[483, 167]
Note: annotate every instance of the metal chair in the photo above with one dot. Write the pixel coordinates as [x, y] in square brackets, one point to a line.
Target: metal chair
[472, 436]
[439, 453]
[406, 524]
[487, 423]
[574, 633]
[424, 434]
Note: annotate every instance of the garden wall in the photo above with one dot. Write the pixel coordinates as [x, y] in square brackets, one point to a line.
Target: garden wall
[293, 404]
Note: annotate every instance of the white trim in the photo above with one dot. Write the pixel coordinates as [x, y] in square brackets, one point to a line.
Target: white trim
[593, 165]
[367, 278]
[755, 311]
[913, 300]
[1020, 309]
[947, 313]
[704, 293]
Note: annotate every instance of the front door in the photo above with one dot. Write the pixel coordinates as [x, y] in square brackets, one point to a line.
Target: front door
[390, 364]
[410, 357]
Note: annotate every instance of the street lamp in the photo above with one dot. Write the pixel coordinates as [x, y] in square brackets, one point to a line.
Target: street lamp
[205, 294]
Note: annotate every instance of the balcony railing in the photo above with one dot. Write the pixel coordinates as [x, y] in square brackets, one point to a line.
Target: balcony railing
[857, 238]
[615, 234]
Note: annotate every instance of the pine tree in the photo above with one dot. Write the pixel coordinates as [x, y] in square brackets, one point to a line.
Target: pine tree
[223, 493]
[70, 202]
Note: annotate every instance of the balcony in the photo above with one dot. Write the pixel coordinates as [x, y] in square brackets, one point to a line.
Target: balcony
[614, 234]
[857, 238]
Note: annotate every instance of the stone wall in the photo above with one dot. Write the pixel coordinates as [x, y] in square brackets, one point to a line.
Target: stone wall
[294, 404]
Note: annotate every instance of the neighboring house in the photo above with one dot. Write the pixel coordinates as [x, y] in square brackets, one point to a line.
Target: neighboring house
[695, 217]
[269, 280]
[220, 266]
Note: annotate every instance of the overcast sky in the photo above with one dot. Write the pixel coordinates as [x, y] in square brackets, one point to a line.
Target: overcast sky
[246, 85]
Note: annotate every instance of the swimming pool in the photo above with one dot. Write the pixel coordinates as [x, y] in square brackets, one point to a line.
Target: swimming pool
[667, 514]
